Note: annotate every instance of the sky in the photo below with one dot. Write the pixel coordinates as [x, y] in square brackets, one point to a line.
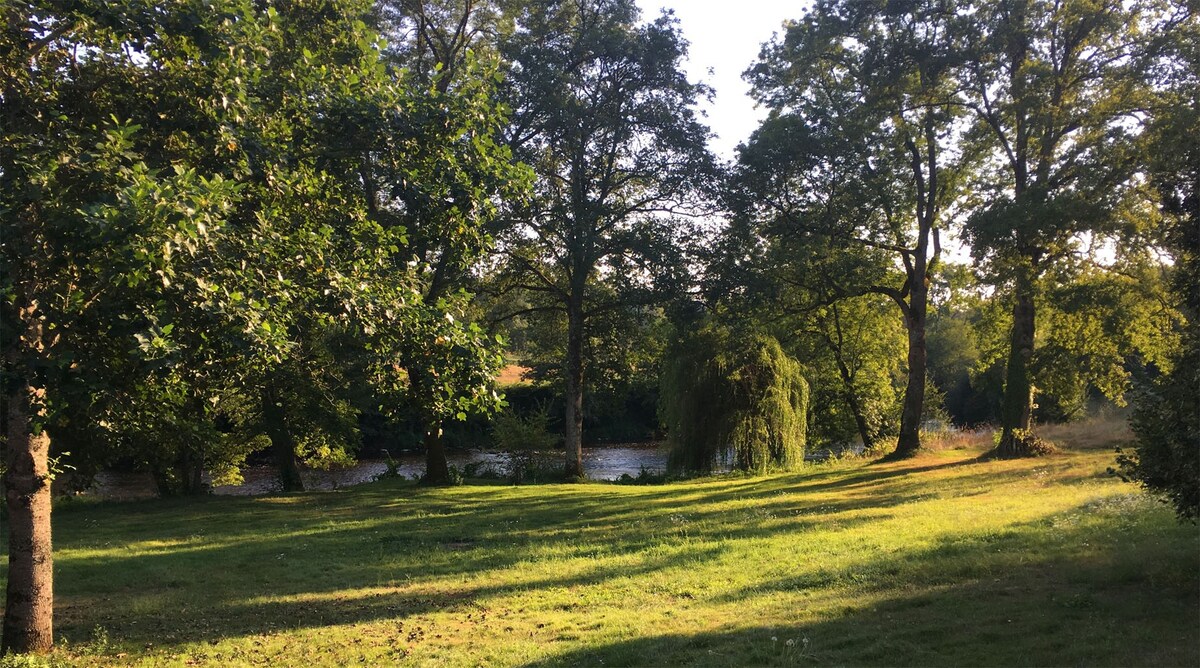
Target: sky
[726, 36]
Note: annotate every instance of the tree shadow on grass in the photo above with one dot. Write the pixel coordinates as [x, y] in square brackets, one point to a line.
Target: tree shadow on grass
[224, 567]
[184, 619]
[221, 568]
[1130, 600]
[282, 573]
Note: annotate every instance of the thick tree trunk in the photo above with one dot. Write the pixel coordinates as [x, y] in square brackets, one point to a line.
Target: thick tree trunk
[437, 469]
[1017, 410]
[29, 600]
[909, 441]
[283, 444]
[574, 393]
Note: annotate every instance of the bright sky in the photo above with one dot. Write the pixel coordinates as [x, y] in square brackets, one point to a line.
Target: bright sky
[726, 36]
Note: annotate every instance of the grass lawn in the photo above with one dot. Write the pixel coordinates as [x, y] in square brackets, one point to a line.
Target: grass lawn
[940, 560]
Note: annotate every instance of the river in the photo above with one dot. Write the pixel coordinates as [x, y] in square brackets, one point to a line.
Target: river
[599, 463]
[608, 462]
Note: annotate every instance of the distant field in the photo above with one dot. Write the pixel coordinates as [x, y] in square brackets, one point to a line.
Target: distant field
[940, 560]
[513, 374]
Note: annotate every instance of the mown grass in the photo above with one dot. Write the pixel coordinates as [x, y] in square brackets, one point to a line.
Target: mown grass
[937, 560]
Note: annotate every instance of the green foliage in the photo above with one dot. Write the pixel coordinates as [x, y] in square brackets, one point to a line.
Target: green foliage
[1166, 420]
[193, 255]
[514, 432]
[1052, 87]
[853, 352]
[846, 185]
[606, 119]
[1166, 415]
[954, 355]
[28, 661]
[734, 393]
[1098, 330]
[529, 444]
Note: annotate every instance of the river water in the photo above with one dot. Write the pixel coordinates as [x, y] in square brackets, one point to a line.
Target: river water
[600, 463]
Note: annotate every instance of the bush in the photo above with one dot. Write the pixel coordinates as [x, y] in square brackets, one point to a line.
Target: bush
[513, 432]
[1166, 420]
[643, 477]
[528, 441]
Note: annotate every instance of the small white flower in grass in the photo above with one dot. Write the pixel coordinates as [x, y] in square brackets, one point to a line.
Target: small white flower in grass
[791, 642]
[774, 639]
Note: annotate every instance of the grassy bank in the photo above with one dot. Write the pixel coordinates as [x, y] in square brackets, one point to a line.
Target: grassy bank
[937, 560]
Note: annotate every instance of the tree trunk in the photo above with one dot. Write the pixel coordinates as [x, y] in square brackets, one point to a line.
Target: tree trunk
[852, 400]
[909, 441]
[29, 601]
[189, 469]
[283, 445]
[574, 392]
[1017, 410]
[860, 420]
[437, 469]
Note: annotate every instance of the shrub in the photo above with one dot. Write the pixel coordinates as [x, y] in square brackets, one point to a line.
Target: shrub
[528, 441]
[1166, 420]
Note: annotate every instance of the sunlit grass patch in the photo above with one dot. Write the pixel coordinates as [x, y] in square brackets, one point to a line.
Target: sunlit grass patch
[942, 559]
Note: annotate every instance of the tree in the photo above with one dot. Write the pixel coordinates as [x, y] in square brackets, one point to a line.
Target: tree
[852, 350]
[1166, 417]
[963, 351]
[1102, 329]
[450, 49]
[605, 118]
[734, 392]
[1057, 91]
[851, 172]
[214, 236]
[852, 346]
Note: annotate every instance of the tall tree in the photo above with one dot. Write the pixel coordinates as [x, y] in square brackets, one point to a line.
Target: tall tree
[603, 114]
[1058, 92]
[851, 172]
[450, 47]
[852, 347]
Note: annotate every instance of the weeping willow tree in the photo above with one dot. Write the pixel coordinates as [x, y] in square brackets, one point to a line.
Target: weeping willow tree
[740, 396]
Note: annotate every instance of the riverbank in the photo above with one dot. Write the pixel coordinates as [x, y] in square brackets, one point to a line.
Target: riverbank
[939, 560]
